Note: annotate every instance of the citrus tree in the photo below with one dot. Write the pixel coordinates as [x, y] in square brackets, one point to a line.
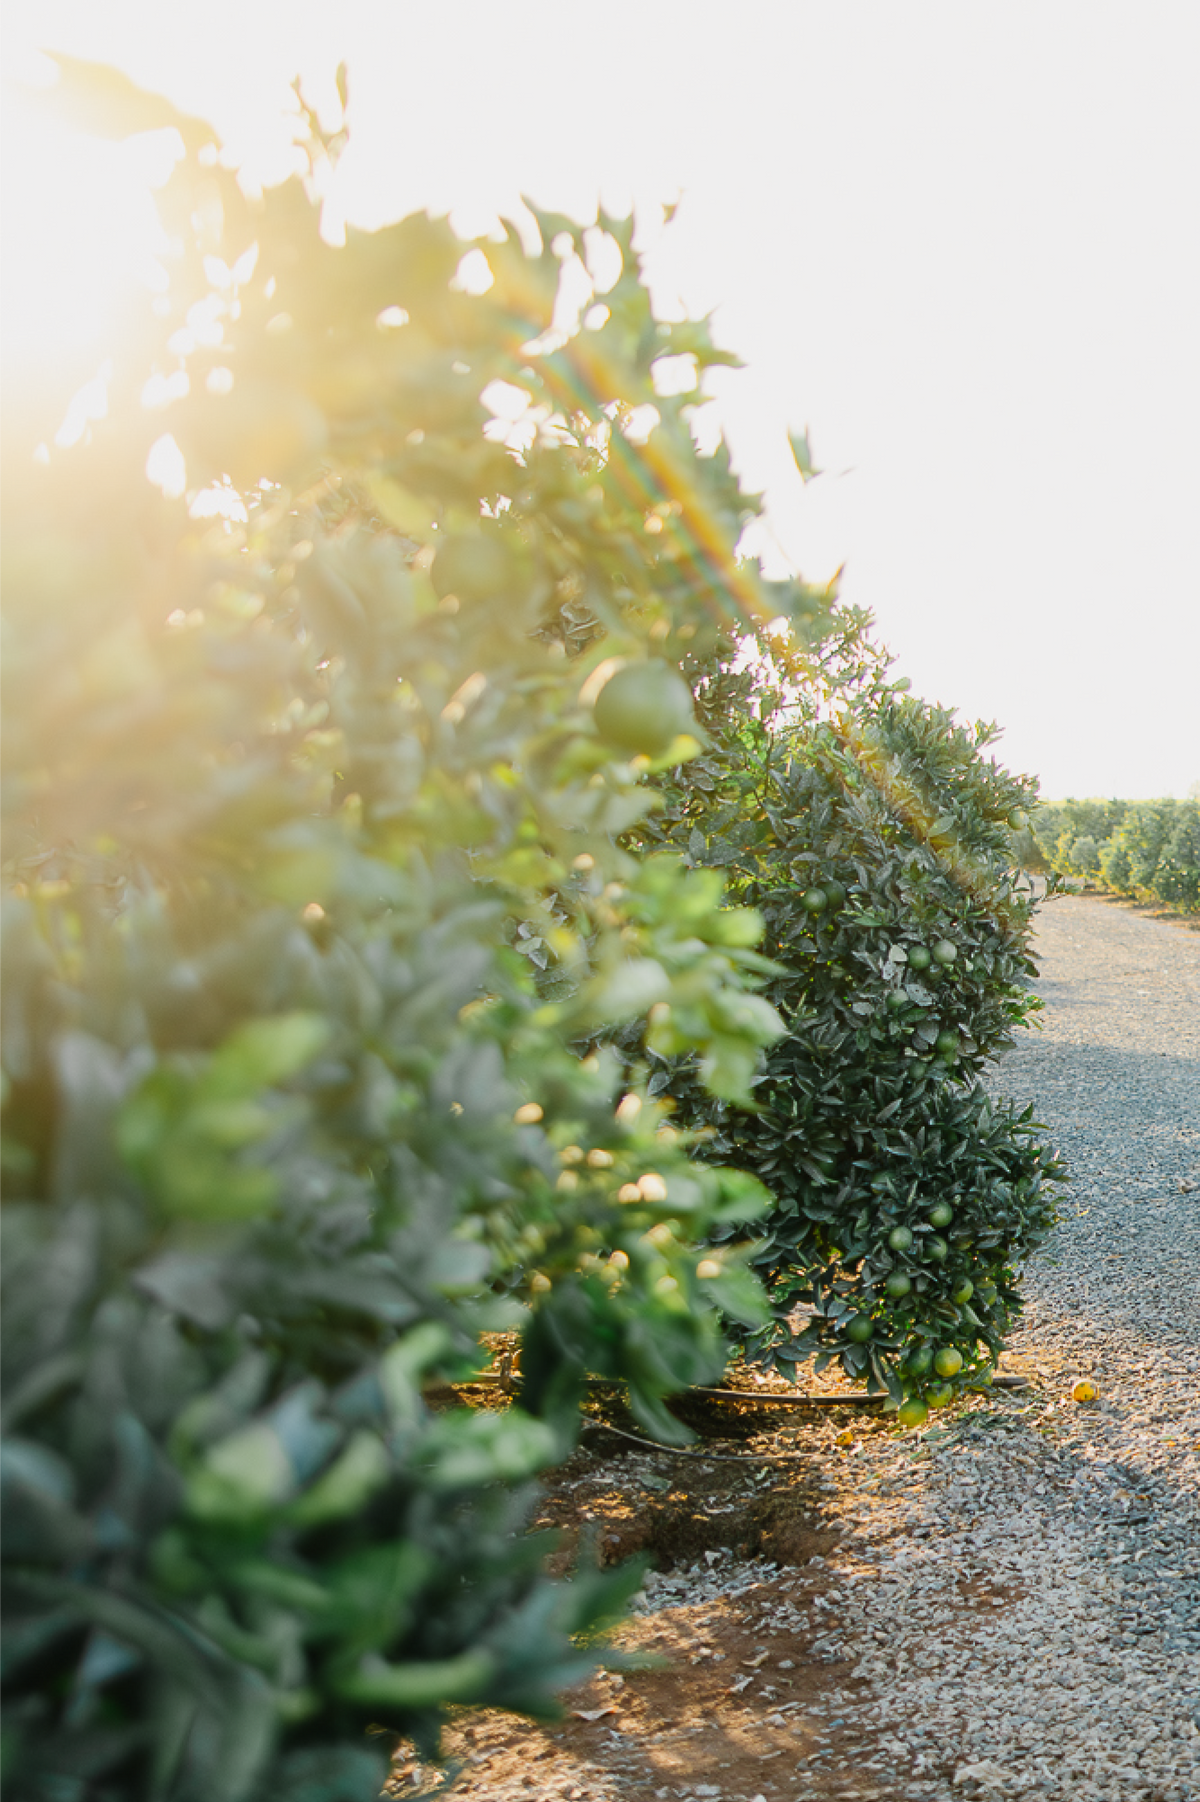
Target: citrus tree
[338, 654]
[877, 842]
[1147, 849]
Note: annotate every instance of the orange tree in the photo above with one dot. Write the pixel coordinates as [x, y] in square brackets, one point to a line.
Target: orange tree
[879, 845]
[313, 791]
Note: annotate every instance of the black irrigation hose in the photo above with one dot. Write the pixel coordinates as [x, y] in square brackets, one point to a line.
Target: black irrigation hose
[763, 1398]
[674, 1451]
[772, 1398]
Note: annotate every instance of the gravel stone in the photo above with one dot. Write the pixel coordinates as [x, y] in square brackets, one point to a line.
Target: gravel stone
[1017, 1604]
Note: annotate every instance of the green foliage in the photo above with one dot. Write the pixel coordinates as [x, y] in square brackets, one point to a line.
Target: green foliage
[313, 897]
[1147, 849]
[876, 842]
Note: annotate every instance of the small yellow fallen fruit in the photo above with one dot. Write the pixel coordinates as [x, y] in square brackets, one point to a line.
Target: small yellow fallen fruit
[1084, 1391]
[846, 1438]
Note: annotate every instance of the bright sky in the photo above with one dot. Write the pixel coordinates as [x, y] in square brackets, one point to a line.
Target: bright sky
[959, 243]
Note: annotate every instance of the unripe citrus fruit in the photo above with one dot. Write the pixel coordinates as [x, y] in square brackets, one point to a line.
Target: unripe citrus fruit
[945, 951]
[941, 1214]
[897, 1000]
[913, 1412]
[814, 900]
[941, 1396]
[937, 1250]
[643, 707]
[919, 958]
[963, 1293]
[898, 1284]
[859, 1329]
[947, 1042]
[473, 566]
[260, 429]
[948, 1362]
[919, 1361]
[835, 893]
[987, 1295]
[900, 1238]
[1018, 819]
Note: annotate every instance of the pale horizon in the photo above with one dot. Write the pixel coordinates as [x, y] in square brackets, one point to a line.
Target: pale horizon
[959, 247]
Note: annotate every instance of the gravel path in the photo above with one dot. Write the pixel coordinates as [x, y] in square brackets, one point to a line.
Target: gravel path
[1032, 1626]
[1008, 1603]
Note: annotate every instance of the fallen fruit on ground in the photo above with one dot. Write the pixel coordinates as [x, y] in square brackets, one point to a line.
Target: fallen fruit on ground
[1084, 1391]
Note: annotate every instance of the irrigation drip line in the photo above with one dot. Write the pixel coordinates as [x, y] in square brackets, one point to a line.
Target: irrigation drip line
[756, 1398]
[675, 1451]
[773, 1399]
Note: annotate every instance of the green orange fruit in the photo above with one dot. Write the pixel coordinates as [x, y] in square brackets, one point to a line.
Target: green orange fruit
[643, 708]
[859, 1329]
[814, 900]
[900, 1238]
[259, 430]
[919, 958]
[898, 1284]
[948, 1362]
[474, 567]
[945, 951]
[941, 1214]
[912, 1412]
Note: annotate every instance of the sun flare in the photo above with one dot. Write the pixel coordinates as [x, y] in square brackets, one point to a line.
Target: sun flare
[82, 234]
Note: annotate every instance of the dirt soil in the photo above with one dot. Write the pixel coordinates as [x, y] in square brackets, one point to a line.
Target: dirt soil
[763, 1524]
[1003, 1604]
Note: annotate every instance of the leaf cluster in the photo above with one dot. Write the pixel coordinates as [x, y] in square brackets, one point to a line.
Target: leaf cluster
[1147, 849]
[876, 841]
[313, 894]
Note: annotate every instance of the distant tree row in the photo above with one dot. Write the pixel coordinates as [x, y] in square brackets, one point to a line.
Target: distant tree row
[1146, 849]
